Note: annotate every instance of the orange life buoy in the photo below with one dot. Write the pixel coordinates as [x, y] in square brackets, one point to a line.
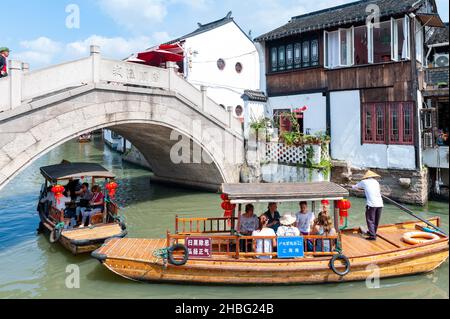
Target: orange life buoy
[417, 237]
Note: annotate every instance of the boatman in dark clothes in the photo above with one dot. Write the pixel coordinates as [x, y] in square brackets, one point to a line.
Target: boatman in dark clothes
[371, 188]
[4, 54]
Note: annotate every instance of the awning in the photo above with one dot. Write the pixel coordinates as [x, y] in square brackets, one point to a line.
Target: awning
[430, 20]
[286, 192]
[161, 54]
[68, 171]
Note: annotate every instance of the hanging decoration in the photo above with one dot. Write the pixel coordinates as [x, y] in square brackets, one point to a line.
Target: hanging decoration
[227, 207]
[344, 205]
[57, 191]
[112, 187]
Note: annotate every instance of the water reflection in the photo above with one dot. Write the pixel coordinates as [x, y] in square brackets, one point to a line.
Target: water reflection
[30, 267]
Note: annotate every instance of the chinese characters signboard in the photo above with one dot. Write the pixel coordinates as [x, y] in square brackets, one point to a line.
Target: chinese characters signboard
[199, 247]
[290, 247]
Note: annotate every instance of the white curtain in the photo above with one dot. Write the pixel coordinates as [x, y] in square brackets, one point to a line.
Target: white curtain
[333, 49]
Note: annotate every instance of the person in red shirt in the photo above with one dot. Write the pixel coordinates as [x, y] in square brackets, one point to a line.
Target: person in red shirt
[4, 54]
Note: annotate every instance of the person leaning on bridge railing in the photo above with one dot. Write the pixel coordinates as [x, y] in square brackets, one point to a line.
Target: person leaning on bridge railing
[4, 54]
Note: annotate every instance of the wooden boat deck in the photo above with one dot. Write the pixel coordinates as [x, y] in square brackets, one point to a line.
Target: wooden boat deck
[98, 232]
[132, 249]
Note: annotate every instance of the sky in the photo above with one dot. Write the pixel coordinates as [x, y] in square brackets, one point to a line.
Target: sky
[46, 32]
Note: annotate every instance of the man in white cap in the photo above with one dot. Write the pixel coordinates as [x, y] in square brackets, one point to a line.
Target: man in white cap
[374, 207]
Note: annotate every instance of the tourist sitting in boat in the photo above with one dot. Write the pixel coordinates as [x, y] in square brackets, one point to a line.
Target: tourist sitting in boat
[84, 197]
[273, 216]
[96, 206]
[305, 219]
[288, 228]
[264, 246]
[249, 222]
[323, 226]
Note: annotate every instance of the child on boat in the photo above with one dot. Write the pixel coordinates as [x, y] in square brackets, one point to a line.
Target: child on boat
[264, 246]
[323, 226]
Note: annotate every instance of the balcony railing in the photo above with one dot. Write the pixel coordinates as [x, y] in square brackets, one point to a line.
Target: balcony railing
[436, 76]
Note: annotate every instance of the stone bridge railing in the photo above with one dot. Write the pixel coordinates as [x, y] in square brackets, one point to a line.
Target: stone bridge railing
[22, 87]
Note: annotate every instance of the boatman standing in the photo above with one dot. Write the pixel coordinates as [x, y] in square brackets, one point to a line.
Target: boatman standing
[4, 53]
[371, 188]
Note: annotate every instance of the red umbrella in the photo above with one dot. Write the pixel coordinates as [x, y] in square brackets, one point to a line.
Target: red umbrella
[161, 54]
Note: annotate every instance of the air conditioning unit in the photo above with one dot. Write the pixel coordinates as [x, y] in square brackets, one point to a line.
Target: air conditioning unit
[441, 60]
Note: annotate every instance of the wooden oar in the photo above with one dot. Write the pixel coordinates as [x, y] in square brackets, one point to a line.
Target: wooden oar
[410, 212]
[406, 210]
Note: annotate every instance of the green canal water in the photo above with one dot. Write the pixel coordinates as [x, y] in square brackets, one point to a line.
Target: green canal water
[30, 267]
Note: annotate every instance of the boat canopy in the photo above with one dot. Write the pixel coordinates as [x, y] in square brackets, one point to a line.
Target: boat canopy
[67, 171]
[286, 192]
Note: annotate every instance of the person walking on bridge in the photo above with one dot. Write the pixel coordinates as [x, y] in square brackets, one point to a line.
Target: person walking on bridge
[374, 207]
[4, 53]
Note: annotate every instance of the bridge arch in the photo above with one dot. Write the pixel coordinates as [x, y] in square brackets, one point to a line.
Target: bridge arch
[145, 116]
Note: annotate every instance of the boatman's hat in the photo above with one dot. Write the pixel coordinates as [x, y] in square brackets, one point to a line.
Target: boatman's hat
[371, 174]
[4, 49]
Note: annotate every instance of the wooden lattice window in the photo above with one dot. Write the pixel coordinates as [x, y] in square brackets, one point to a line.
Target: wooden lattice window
[388, 123]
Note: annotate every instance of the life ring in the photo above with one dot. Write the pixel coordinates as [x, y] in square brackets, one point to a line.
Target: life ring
[55, 235]
[417, 237]
[346, 262]
[171, 258]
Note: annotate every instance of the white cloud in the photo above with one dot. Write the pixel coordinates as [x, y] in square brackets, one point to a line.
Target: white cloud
[135, 15]
[42, 52]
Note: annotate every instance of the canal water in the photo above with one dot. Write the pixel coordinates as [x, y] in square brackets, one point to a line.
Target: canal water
[31, 267]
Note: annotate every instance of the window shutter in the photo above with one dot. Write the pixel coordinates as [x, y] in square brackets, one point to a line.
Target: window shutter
[394, 40]
[370, 42]
[407, 32]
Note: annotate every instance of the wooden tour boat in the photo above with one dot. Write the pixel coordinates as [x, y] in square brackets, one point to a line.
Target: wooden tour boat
[85, 138]
[351, 258]
[105, 225]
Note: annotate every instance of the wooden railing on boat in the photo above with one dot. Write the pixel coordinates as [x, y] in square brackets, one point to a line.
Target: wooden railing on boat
[184, 225]
[231, 245]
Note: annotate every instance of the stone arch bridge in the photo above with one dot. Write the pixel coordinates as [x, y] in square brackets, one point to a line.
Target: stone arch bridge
[170, 121]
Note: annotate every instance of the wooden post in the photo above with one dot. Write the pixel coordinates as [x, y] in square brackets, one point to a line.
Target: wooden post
[313, 207]
[168, 238]
[239, 217]
[336, 216]
[176, 224]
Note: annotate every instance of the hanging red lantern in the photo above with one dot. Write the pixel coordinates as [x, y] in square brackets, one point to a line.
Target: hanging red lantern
[343, 205]
[325, 202]
[224, 197]
[112, 187]
[57, 191]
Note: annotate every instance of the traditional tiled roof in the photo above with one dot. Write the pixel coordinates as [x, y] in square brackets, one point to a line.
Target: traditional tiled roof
[440, 35]
[254, 96]
[354, 12]
[205, 28]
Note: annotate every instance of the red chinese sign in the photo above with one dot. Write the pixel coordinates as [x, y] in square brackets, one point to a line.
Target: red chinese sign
[199, 247]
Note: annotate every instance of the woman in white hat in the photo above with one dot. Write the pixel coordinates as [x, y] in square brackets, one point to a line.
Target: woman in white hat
[374, 207]
[287, 228]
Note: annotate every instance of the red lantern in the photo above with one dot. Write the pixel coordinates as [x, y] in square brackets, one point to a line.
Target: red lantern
[344, 205]
[112, 187]
[224, 197]
[57, 191]
[325, 202]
